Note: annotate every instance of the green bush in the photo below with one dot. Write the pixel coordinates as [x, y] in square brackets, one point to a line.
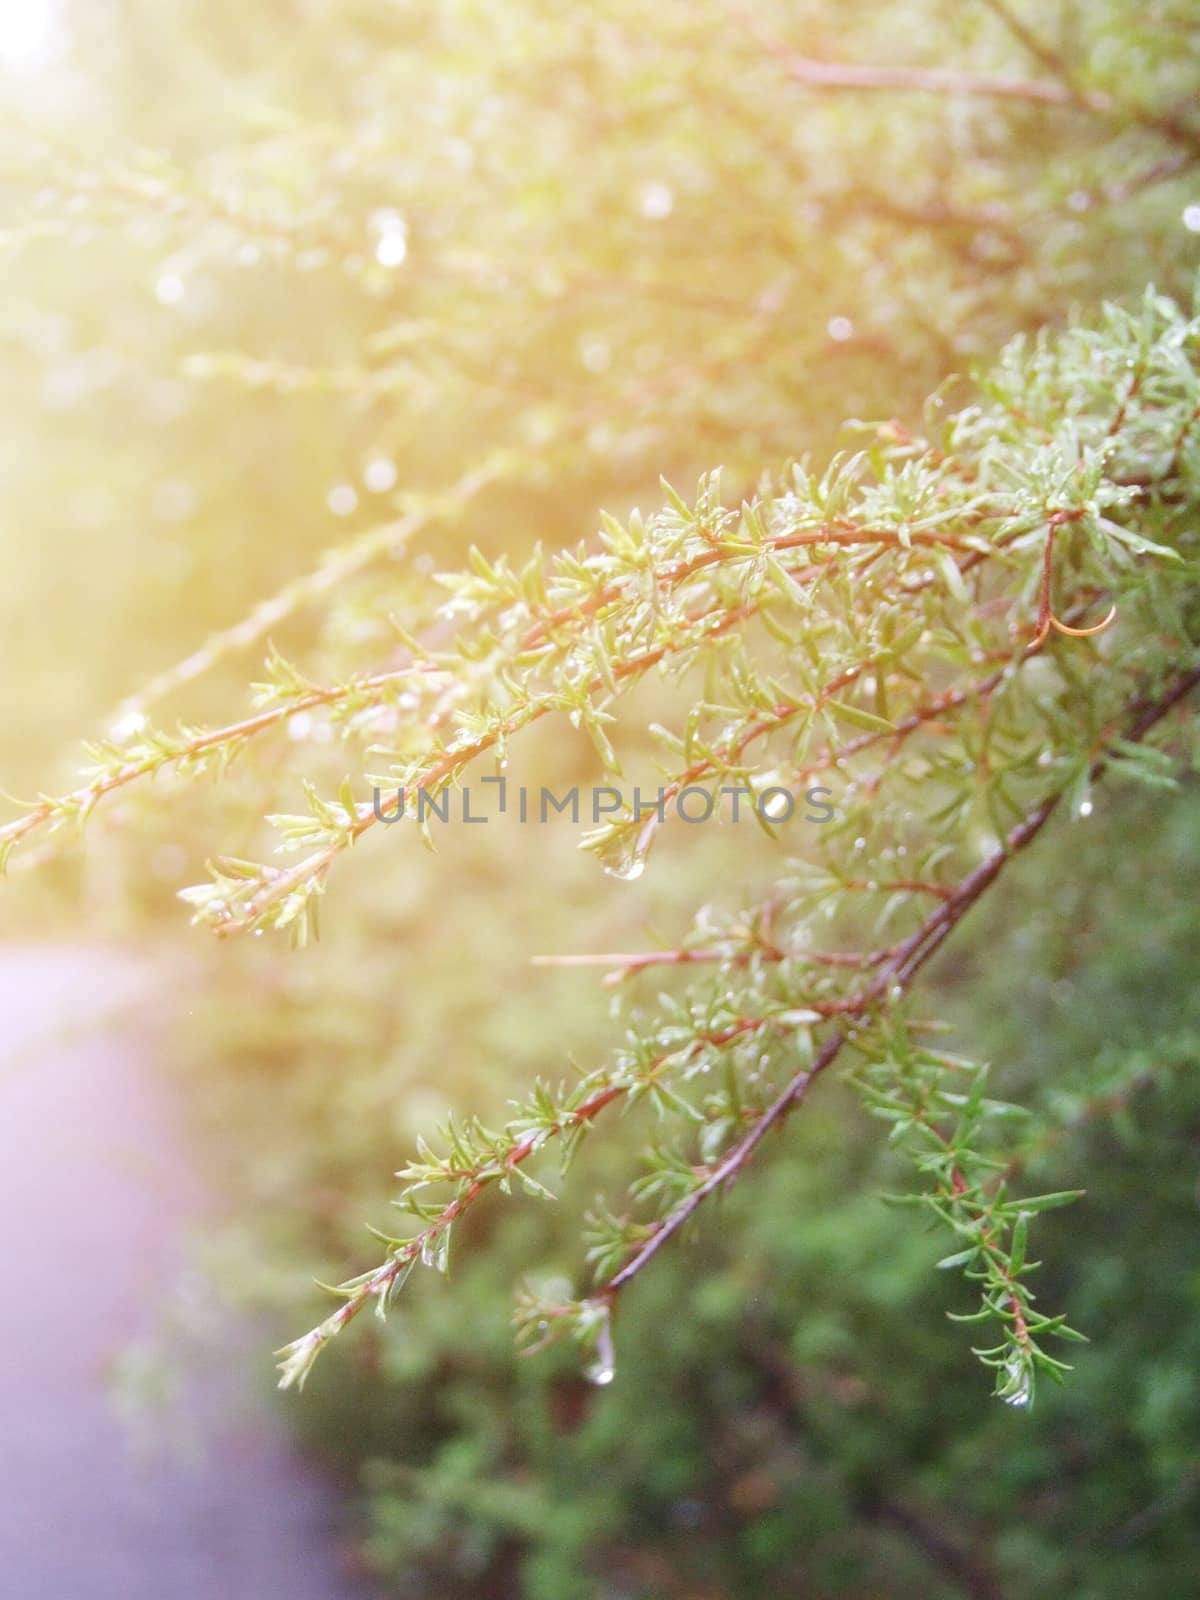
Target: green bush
[490, 270]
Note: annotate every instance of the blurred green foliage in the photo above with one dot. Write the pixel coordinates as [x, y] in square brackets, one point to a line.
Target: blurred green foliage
[791, 1414]
[252, 251]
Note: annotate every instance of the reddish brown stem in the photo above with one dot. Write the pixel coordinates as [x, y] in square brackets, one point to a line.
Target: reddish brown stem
[896, 976]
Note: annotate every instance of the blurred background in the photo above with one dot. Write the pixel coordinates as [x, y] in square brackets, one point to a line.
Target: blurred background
[278, 278]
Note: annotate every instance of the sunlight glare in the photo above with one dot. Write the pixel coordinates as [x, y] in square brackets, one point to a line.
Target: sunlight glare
[31, 34]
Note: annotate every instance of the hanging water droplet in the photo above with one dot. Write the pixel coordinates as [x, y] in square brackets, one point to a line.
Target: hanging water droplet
[1019, 1390]
[778, 807]
[1085, 808]
[435, 1251]
[627, 871]
[602, 1368]
[624, 855]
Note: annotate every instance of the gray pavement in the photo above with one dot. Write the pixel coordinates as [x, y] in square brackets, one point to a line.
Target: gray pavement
[95, 1188]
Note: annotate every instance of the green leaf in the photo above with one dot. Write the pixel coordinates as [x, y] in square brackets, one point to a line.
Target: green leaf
[860, 718]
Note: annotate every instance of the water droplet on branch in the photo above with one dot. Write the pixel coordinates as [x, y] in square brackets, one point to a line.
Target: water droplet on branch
[602, 1368]
[624, 854]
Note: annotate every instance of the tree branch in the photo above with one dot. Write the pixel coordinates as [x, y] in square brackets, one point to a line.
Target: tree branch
[895, 977]
[933, 80]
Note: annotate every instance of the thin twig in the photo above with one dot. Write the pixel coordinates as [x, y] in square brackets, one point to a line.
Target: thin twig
[336, 567]
[934, 80]
[194, 746]
[314, 868]
[626, 963]
[919, 80]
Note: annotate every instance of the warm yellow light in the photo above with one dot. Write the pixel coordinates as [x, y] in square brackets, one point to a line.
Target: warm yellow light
[31, 34]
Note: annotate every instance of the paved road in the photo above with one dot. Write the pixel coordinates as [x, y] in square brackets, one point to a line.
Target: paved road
[94, 1186]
